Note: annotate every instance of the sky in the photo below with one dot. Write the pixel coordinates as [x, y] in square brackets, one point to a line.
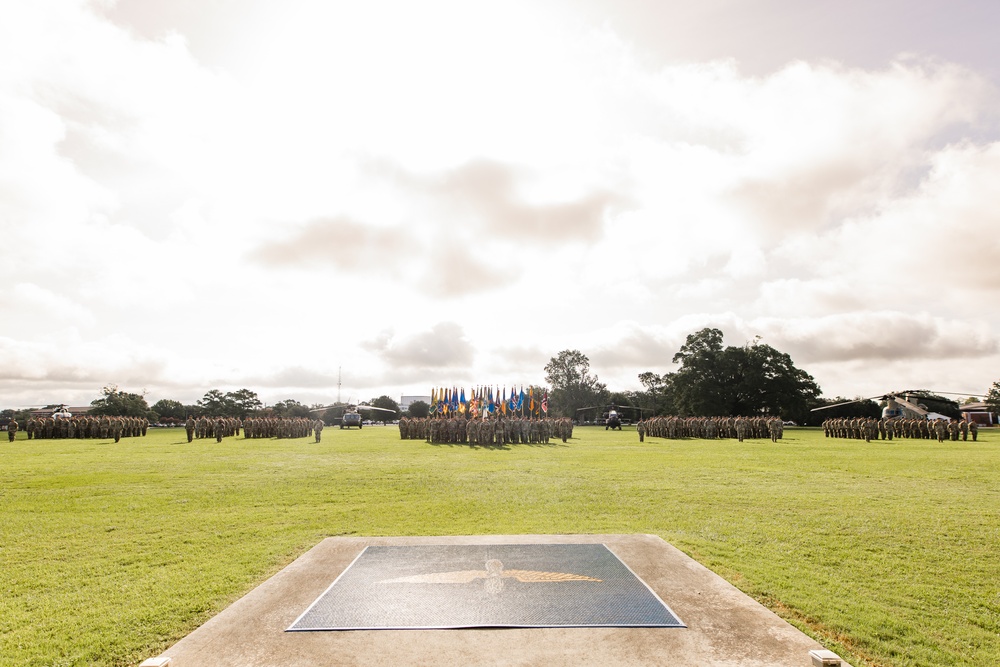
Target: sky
[314, 199]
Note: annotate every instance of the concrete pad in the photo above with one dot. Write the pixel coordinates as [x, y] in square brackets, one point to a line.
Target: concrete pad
[725, 626]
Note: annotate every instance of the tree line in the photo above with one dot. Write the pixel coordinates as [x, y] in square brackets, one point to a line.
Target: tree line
[239, 404]
[710, 380]
[716, 380]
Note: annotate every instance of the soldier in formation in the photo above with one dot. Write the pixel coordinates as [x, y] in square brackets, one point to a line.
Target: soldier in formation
[86, 426]
[868, 429]
[278, 427]
[712, 428]
[492, 431]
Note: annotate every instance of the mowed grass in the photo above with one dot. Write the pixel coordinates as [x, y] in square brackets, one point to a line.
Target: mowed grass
[885, 553]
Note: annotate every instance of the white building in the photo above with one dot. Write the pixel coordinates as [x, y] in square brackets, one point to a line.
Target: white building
[406, 401]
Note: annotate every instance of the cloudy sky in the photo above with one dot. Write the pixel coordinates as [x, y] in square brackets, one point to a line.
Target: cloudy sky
[200, 194]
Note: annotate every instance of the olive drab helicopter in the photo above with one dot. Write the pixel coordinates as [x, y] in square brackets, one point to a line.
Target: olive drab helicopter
[352, 413]
[611, 416]
[899, 404]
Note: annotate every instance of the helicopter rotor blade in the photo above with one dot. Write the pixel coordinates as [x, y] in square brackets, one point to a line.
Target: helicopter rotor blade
[372, 407]
[911, 406]
[856, 400]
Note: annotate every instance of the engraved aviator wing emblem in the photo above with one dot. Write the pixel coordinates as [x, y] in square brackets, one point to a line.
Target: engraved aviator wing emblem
[493, 577]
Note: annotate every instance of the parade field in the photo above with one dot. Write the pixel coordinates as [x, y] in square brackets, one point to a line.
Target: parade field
[887, 553]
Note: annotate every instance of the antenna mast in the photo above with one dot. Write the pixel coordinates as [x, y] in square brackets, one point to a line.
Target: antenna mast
[338, 385]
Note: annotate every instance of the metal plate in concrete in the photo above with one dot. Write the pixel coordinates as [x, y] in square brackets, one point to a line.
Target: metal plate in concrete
[724, 626]
[439, 586]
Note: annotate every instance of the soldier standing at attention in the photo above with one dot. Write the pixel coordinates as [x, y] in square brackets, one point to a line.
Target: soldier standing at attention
[11, 430]
[189, 427]
[963, 427]
[940, 429]
[318, 429]
[640, 428]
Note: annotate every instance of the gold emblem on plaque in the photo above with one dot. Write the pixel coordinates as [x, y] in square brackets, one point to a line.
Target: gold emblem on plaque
[494, 576]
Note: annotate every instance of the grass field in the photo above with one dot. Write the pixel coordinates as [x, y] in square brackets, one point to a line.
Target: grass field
[885, 553]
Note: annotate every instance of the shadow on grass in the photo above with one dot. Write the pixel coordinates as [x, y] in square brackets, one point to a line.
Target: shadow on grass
[506, 447]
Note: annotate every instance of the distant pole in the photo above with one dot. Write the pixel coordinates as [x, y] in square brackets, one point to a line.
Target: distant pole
[338, 384]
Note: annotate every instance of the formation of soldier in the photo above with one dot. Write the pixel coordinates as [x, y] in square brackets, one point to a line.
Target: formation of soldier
[252, 427]
[711, 428]
[457, 429]
[86, 426]
[868, 429]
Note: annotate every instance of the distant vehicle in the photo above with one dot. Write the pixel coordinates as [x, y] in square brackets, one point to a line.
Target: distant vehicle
[351, 419]
[789, 423]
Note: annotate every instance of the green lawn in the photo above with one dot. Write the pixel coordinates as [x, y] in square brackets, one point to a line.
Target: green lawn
[886, 553]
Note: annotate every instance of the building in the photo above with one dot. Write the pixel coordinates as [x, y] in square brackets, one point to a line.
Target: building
[979, 413]
[406, 401]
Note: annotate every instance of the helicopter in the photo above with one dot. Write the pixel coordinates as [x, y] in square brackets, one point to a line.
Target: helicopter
[352, 413]
[611, 415]
[899, 403]
[60, 411]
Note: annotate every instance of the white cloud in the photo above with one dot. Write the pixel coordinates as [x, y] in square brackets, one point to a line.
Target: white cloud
[506, 168]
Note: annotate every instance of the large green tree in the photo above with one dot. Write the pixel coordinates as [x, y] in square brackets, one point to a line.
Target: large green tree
[216, 404]
[750, 380]
[992, 399]
[121, 403]
[386, 403]
[169, 411]
[244, 402]
[419, 409]
[703, 385]
[573, 385]
[658, 397]
[290, 408]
